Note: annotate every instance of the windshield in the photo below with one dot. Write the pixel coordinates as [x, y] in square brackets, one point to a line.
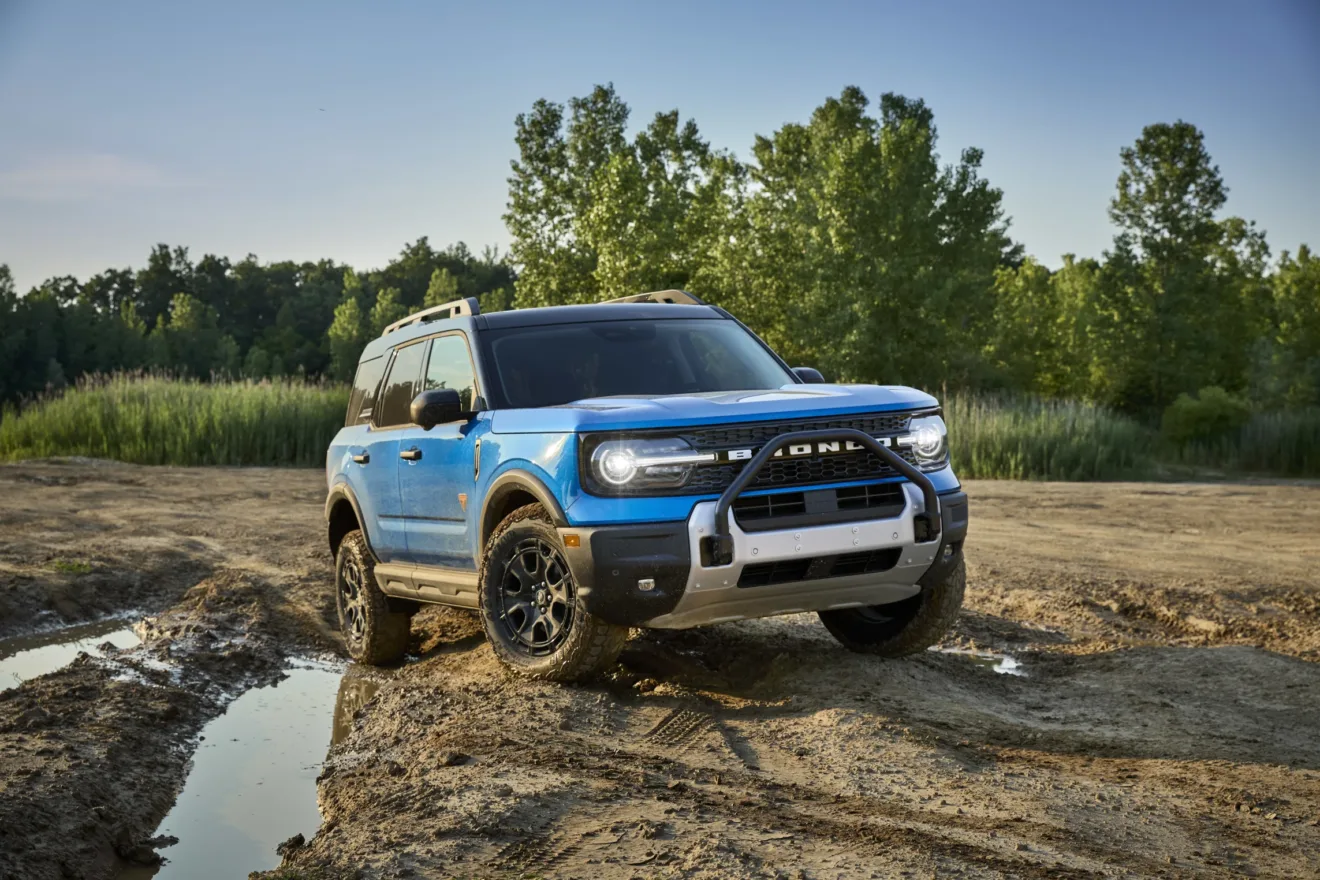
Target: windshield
[560, 363]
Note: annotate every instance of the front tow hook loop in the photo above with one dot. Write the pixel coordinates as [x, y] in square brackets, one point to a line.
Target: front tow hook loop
[716, 550]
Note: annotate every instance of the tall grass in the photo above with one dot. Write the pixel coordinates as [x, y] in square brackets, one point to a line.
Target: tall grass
[1017, 438]
[1278, 443]
[156, 420]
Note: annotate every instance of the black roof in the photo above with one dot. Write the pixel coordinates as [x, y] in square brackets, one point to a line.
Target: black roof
[591, 313]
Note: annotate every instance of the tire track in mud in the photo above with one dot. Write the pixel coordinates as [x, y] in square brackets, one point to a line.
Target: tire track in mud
[634, 775]
[679, 729]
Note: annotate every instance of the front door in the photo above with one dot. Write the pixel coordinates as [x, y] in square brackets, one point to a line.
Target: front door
[437, 471]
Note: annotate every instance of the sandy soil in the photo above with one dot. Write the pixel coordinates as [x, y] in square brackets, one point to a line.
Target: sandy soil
[1165, 725]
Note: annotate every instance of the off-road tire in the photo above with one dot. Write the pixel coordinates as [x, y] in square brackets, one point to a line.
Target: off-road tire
[372, 632]
[589, 646]
[901, 628]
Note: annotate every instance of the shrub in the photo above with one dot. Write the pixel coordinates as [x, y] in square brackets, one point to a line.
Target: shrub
[1211, 416]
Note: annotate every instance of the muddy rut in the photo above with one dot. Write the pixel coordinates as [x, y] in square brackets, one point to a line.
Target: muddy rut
[1163, 724]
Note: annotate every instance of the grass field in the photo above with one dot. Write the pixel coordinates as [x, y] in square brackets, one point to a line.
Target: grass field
[155, 420]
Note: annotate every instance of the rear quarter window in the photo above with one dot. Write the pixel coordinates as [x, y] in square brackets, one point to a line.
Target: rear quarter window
[362, 400]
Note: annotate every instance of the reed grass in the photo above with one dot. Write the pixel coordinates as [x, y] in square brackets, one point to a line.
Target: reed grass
[160, 420]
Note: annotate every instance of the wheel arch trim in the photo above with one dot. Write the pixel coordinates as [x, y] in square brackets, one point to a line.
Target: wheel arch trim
[342, 492]
[515, 480]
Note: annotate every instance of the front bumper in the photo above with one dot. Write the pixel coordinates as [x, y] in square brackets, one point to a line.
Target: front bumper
[654, 575]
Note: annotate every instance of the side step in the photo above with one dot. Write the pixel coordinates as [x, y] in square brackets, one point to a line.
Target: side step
[425, 583]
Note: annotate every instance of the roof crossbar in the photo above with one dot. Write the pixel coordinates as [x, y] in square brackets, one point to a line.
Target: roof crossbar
[677, 297]
[468, 306]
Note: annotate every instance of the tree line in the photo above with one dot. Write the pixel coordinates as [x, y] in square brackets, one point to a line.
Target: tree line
[215, 317]
[844, 240]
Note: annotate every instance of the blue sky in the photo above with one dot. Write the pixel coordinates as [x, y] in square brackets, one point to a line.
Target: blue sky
[343, 130]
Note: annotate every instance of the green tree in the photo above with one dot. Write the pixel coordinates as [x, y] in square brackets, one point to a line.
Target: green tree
[168, 272]
[347, 333]
[550, 189]
[189, 340]
[442, 289]
[860, 253]
[386, 311]
[1187, 286]
[1292, 345]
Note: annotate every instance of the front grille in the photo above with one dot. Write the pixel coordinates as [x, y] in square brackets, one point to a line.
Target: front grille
[770, 506]
[874, 497]
[761, 433]
[786, 510]
[864, 465]
[787, 571]
[767, 574]
[838, 468]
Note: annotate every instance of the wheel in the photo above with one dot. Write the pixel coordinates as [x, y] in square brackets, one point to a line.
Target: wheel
[529, 604]
[372, 632]
[900, 628]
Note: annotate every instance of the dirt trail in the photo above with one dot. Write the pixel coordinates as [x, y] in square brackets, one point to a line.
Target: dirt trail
[1165, 724]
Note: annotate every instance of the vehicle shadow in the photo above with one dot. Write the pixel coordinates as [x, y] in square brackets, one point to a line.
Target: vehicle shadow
[1234, 703]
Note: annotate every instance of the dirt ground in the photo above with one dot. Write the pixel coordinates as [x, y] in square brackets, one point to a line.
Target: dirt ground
[1165, 724]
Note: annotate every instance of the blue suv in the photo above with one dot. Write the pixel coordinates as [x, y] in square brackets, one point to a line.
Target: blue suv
[572, 472]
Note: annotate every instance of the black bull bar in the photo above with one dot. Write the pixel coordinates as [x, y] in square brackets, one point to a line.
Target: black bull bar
[719, 547]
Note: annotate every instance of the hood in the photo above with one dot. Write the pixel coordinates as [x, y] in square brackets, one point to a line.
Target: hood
[718, 407]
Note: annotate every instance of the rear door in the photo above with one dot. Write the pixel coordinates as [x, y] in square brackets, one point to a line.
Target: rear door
[437, 480]
[349, 459]
[390, 419]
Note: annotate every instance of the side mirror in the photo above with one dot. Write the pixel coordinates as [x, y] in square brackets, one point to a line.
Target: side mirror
[810, 375]
[439, 406]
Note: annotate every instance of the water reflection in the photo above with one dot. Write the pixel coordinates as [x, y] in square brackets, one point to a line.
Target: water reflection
[355, 690]
[24, 657]
[253, 780]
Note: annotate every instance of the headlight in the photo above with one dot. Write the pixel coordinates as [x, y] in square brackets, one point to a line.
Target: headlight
[660, 463]
[929, 440]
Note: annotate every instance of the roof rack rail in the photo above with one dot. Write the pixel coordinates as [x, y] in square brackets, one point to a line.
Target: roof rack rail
[468, 306]
[677, 297]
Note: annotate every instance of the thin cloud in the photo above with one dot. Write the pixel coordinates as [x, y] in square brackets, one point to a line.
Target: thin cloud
[82, 176]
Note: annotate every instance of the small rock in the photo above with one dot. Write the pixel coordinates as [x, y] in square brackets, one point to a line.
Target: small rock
[142, 855]
[293, 843]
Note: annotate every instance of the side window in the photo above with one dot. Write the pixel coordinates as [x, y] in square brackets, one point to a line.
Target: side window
[363, 399]
[451, 367]
[400, 387]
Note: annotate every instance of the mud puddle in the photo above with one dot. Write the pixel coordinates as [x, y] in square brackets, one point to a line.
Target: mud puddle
[1004, 664]
[252, 784]
[25, 657]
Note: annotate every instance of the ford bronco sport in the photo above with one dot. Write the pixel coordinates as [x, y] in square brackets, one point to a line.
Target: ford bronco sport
[572, 472]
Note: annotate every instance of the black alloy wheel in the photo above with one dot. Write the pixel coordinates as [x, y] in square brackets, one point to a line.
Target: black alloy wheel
[352, 602]
[538, 603]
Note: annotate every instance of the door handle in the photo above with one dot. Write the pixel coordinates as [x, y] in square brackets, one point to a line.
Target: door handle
[362, 457]
[412, 454]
